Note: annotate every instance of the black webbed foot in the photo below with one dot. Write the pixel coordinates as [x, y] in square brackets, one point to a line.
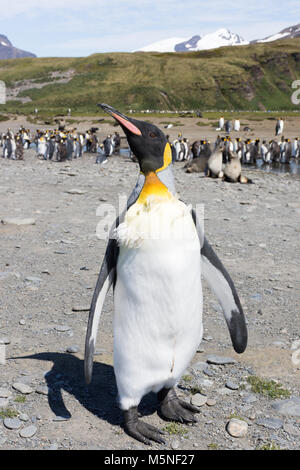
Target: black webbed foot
[174, 409]
[141, 431]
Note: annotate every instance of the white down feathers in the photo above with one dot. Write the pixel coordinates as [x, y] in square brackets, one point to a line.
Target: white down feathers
[157, 298]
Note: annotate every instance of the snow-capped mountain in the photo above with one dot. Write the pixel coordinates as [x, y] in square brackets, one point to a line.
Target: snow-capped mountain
[8, 51]
[287, 33]
[165, 45]
[221, 37]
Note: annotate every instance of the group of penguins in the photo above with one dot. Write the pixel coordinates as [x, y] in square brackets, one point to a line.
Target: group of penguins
[228, 126]
[58, 144]
[224, 158]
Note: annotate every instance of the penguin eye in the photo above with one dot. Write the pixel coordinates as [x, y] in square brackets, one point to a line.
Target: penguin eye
[152, 135]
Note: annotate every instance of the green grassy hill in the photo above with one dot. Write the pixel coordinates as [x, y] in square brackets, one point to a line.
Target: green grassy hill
[253, 77]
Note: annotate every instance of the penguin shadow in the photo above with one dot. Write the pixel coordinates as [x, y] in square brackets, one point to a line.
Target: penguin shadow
[99, 397]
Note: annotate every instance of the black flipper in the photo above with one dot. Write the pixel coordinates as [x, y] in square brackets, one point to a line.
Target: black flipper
[106, 278]
[223, 287]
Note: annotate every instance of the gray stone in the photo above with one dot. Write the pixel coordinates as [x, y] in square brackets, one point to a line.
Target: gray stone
[237, 428]
[28, 432]
[224, 391]
[75, 191]
[232, 385]
[175, 444]
[200, 366]
[270, 423]
[290, 407]
[4, 402]
[72, 349]
[5, 393]
[291, 429]
[12, 423]
[81, 308]
[198, 399]
[18, 221]
[42, 390]
[24, 417]
[33, 279]
[250, 398]
[62, 328]
[205, 382]
[61, 418]
[211, 402]
[213, 359]
[4, 340]
[22, 388]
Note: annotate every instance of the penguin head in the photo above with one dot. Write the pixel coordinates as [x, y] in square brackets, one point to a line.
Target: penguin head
[147, 142]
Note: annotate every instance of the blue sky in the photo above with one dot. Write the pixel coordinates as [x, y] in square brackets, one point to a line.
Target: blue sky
[82, 27]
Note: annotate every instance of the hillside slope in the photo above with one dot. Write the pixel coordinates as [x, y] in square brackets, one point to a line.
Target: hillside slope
[251, 77]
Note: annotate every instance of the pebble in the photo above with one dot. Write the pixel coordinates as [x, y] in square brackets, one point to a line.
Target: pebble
[12, 423]
[81, 308]
[291, 429]
[33, 279]
[290, 407]
[211, 402]
[213, 359]
[270, 423]
[42, 390]
[200, 366]
[22, 388]
[62, 328]
[4, 402]
[175, 444]
[5, 393]
[250, 398]
[24, 417]
[205, 382]
[4, 340]
[72, 349]
[28, 432]
[61, 418]
[198, 399]
[237, 428]
[75, 191]
[232, 385]
[18, 221]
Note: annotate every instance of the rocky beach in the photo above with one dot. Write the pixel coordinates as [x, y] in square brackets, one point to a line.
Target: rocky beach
[50, 258]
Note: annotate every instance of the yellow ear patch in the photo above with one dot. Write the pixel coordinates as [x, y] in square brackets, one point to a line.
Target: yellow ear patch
[167, 157]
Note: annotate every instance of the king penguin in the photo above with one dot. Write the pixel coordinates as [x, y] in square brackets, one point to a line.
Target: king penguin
[155, 258]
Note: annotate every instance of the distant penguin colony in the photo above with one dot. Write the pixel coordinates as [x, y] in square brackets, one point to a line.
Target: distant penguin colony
[155, 259]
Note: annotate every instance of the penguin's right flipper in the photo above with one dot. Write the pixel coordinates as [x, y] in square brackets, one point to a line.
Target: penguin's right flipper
[106, 278]
[223, 287]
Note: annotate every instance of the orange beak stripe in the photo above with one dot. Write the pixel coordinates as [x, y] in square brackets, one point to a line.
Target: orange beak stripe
[131, 127]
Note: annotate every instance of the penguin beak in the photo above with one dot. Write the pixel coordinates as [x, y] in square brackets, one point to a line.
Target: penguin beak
[126, 122]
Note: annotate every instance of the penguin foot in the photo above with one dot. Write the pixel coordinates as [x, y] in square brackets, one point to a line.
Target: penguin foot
[141, 431]
[174, 409]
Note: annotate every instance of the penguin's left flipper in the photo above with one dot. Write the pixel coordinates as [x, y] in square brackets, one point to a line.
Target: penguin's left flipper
[223, 287]
[106, 278]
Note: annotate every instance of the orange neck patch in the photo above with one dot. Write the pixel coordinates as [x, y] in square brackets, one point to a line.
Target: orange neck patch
[153, 187]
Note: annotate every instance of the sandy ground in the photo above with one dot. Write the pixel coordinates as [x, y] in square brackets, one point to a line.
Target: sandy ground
[50, 268]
